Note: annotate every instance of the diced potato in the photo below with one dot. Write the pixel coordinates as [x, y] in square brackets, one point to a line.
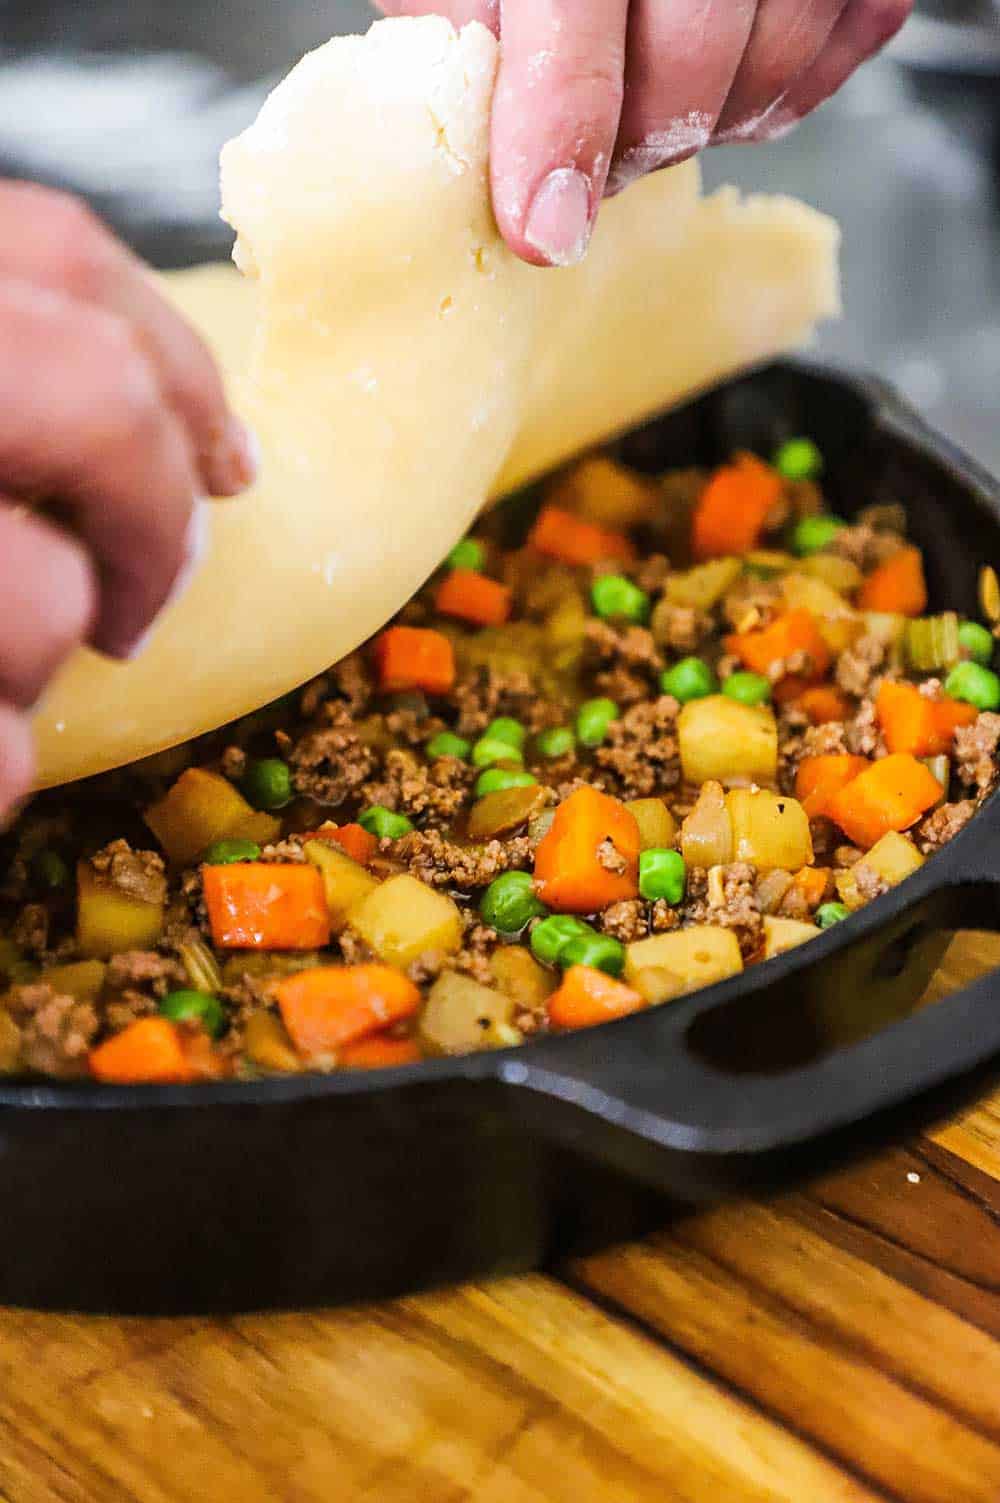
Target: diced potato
[698, 956]
[781, 934]
[707, 833]
[722, 739]
[565, 631]
[839, 573]
[200, 808]
[847, 889]
[10, 1044]
[836, 622]
[266, 1041]
[519, 976]
[82, 980]
[893, 857]
[605, 492]
[500, 813]
[657, 826]
[109, 921]
[258, 826]
[346, 883]
[769, 829]
[704, 585]
[460, 1015]
[404, 918]
[655, 984]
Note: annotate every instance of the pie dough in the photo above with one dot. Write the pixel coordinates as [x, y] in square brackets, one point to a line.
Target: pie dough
[400, 366]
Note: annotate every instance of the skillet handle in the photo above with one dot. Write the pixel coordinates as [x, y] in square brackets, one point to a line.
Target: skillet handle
[704, 1078]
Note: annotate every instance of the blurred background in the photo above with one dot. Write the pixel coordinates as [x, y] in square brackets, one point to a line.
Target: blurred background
[128, 102]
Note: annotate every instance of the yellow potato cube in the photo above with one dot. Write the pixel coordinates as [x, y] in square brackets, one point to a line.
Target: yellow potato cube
[109, 921]
[266, 1041]
[200, 808]
[839, 573]
[707, 833]
[657, 826]
[702, 586]
[345, 882]
[893, 857]
[82, 980]
[460, 1016]
[836, 622]
[404, 918]
[722, 739]
[655, 984]
[781, 934]
[519, 976]
[769, 829]
[605, 492]
[698, 956]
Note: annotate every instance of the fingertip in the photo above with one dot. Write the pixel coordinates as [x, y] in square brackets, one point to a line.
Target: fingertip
[17, 759]
[233, 461]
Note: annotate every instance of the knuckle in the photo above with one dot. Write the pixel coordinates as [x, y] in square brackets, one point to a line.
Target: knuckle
[79, 247]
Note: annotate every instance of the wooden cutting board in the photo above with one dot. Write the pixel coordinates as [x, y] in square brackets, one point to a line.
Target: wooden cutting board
[837, 1344]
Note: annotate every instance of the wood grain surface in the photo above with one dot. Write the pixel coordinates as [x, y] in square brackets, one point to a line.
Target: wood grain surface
[835, 1344]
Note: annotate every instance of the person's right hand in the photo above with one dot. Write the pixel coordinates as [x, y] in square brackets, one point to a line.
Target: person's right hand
[113, 426]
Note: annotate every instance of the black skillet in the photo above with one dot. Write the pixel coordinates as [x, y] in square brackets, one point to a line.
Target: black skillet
[315, 1189]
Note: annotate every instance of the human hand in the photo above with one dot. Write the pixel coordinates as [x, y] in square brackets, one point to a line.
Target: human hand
[113, 425]
[593, 94]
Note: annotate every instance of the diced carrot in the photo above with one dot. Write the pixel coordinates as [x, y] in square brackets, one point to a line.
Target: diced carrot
[897, 586]
[149, 1051]
[590, 856]
[379, 1053]
[258, 905]
[472, 597]
[819, 778]
[355, 840]
[733, 507]
[811, 882]
[330, 1006]
[203, 1059]
[414, 657]
[794, 632]
[587, 996]
[823, 703]
[913, 723]
[890, 794]
[559, 534]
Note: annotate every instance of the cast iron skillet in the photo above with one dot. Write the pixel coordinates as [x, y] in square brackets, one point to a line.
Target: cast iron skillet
[303, 1190]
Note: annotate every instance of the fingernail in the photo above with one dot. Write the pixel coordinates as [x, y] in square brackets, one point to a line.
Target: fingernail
[233, 462]
[196, 540]
[560, 220]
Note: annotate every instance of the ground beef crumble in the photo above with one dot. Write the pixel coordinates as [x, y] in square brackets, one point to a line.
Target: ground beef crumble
[330, 764]
[739, 909]
[56, 1030]
[140, 874]
[440, 862]
[943, 824]
[641, 756]
[857, 667]
[976, 751]
[416, 788]
[626, 921]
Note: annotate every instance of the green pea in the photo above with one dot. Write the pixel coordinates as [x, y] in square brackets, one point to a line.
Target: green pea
[557, 742]
[798, 459]
[593, 719]
[689, 679]
[488, 750]
[662, 874]
[506, 728]
[975, 684]
[829, 914]
[447, 744]
[550, 938]
[614, 595]
[599, 951]
[50, 870]
[267, 783]
[383, 823]
[977, 641]
[509, 903]
[225, 852]
[194, 1007]
[812, 534]
[497, 779]
[468, 554]
[747, 688]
